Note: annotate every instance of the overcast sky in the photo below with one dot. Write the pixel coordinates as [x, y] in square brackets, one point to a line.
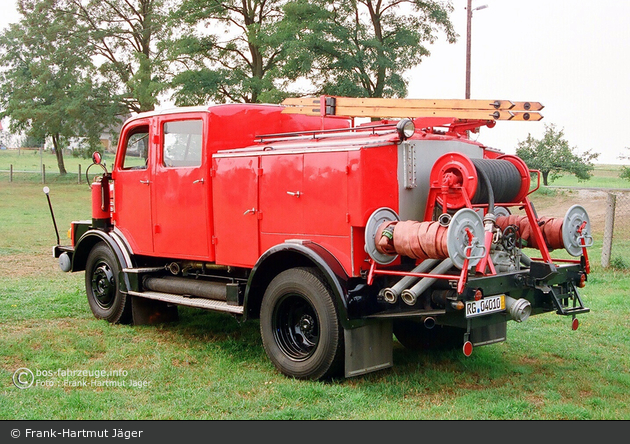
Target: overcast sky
[572, 56]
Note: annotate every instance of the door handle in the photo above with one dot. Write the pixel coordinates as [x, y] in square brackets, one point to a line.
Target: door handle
[145, 182]
[199, 180]
[252, 211]
[294, 193]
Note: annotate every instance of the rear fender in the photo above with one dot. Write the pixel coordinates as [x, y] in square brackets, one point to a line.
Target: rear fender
[297, 254]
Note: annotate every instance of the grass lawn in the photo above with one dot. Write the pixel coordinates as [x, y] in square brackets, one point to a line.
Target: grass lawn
[209, 366]
[604, 176]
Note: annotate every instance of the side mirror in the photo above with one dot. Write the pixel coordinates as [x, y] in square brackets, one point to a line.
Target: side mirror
[97, 159]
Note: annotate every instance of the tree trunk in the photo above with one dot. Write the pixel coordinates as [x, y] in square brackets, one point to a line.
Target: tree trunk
[545, 175]
[59, 154]
[381, 71]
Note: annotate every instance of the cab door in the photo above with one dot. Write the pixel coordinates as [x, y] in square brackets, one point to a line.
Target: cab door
[180, 187]
[132, 186]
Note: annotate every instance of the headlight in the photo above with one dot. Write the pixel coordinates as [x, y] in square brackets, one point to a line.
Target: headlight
[406, 128]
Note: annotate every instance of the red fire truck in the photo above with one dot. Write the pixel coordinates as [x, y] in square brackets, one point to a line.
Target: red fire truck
[337, 235]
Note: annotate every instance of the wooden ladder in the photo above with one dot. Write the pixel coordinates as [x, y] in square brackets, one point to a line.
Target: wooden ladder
[413, 108]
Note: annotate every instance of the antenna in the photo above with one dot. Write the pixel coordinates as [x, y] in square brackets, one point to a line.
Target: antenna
[46, 191]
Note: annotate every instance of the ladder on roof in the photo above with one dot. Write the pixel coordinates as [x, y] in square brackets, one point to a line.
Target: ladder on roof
[412, 108]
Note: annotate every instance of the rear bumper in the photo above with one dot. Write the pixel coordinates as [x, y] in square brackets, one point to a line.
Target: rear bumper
[547, 287]
[540, 288]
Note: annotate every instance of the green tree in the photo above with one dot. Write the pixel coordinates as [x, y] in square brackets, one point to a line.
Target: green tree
[47, 85]
[128, 38]
[231, 51]
[361, 48]
[552, 156]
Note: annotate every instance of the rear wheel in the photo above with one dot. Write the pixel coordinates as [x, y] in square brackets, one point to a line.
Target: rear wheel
[299, 325]
[415, 336]
[101, 285]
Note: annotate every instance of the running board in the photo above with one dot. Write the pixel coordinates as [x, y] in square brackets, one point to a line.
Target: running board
[207, 304]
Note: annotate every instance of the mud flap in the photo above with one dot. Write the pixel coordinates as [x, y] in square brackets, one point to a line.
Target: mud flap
[488, 334]
[369, 348]
[147, 311]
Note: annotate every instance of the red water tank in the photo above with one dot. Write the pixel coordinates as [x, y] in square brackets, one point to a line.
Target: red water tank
[101, 214]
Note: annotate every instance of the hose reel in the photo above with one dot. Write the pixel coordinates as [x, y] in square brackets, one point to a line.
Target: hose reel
[459, 180]
[576, 229]
[571, 233]
[462, 239]
[377, 218]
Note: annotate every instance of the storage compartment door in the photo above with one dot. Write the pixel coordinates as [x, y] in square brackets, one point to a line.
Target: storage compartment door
[236, 212]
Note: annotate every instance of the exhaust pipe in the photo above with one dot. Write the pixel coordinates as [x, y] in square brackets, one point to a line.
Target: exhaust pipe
[391, 294]
[410, 295]
[519, 309]
[184, 286]
[429, 322]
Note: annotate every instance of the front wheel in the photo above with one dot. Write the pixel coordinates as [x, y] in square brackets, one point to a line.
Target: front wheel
[101, 285]
[299, 325]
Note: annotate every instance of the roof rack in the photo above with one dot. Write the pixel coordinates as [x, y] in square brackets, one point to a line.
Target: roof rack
[374, 129]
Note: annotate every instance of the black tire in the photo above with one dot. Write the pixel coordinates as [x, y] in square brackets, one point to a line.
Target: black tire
[299, 326]
[101, 285]
[415, 336]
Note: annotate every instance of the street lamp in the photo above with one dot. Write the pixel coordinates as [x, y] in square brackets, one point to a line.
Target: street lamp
[469, 10]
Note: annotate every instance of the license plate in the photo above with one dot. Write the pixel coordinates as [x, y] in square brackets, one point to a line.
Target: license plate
[485, 306]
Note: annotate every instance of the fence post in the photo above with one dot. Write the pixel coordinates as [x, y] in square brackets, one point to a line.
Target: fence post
[609, 226]
[43, 173]
[79, 179]
[11, 173]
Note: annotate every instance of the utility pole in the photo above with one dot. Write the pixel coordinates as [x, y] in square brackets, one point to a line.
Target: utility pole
[469, 12]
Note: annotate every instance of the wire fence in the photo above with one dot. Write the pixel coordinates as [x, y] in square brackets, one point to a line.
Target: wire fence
[16, 175]
[616, 240]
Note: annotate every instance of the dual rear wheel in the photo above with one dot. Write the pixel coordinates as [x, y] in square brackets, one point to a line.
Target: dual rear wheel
[413, 335]
[299, 325]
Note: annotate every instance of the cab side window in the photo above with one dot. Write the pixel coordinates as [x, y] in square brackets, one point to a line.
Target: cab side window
[182, 143]
[136, 149]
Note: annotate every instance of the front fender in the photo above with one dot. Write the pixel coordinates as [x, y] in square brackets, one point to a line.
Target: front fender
[89, 239]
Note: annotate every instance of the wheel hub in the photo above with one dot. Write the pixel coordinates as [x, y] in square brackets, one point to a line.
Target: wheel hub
[306, 324]
[103, 286]
[296, 328]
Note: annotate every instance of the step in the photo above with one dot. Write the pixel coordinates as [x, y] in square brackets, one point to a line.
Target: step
[567, 310]
[208, 304]
[573, 310]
